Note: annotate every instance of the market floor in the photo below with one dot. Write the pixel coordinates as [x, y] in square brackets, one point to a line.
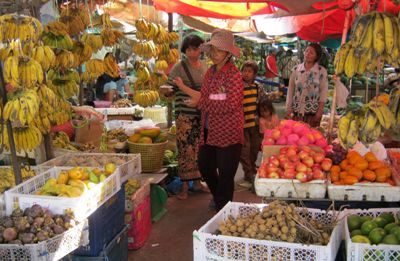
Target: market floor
[171, 237]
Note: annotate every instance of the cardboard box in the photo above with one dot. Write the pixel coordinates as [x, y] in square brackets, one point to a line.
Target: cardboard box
[90, 133]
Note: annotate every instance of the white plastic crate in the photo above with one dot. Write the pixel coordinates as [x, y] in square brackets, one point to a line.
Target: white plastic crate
[217, 247]
[367, 191]
[23, 195]
[360, 251]
[288, 188]
[130, 164]
[50, 250]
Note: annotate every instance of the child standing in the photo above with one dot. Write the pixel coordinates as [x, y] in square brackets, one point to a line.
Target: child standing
[268, 117]
[252, 138]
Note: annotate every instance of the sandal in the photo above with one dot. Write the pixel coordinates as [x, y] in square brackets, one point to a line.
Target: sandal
[200, 188]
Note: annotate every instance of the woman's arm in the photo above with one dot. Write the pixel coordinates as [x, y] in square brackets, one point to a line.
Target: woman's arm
[186, 89]
[289, 95]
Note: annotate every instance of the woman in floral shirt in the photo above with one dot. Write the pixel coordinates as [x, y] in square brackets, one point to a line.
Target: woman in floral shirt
[308, 88]
[222, 120]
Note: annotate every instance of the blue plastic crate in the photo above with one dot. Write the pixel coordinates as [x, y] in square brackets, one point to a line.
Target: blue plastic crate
[116, 250]
[106, 222]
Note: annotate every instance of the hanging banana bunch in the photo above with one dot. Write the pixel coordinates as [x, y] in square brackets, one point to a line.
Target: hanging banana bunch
[21, 27]
[94, 41]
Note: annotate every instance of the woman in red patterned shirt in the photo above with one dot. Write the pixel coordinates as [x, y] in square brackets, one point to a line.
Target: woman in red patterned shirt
[221, 106]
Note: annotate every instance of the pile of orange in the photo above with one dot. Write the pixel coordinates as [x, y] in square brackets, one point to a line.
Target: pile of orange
[356, 168]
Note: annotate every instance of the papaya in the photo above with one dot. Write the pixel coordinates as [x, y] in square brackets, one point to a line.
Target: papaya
[150, 132]
[135, 137]
[147, 140]
[62, 177]
[77, 183]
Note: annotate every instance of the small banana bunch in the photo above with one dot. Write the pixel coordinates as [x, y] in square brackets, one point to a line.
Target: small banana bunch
[13, 49]
[82, 12]
[73, 23]
[145, 49]
[106, 20]
[7, 178]
[94, 69]
[162, 36]
[146, 98]
[142, 25]
[56, 35]
[394, 106]
[373, 35]
[143, 75]
[65, 59]
[161, 66]
[22, 108]
[22, 71]
[65, 84]
[48, 103]
[366, 124]
[163, 49]
[94, 41]
[61, 141]
[21, 27]
[25, 138]
[131, 186]
[82, 52]
[111, 66]
[158, 79]
[45, 56]
[171, 57]
[56, 28]
[111, 37]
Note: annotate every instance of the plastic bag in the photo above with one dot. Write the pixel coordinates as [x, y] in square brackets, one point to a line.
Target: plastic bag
[341, 94]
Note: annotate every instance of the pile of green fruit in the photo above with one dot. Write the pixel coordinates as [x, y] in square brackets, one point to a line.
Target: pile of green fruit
[384, 229]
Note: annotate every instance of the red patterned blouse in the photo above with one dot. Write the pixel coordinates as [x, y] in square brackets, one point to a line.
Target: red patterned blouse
[221, 105]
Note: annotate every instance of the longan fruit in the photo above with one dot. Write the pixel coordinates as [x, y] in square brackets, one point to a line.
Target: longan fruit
[274, 230]
[284, 229]
[233, 228]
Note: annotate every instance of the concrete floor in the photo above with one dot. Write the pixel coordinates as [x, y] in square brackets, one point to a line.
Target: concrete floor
[171, 237]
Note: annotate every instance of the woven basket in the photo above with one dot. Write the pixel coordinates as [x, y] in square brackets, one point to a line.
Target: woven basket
[152, 155]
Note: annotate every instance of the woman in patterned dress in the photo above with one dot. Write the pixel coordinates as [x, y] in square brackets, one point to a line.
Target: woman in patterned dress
[187, 118]
[308, 88]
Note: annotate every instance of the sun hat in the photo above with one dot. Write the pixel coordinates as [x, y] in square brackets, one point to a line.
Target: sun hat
[223, 40]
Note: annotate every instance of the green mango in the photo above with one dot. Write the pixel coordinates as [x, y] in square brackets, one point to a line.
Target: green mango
[93, 178]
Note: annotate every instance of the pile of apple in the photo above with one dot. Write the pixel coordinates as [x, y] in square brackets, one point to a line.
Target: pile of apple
[291, 132]
[296, 162]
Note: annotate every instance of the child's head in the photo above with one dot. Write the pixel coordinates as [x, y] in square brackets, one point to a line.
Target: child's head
[249, 71]
[265, 108]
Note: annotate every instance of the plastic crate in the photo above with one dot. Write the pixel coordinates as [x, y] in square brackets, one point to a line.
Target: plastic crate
[217, 247]
[49, 250]
[367, 191]
[104, 224]
[359, 251]
[289, 188]
[116, 250]
[139, 196]
[23, 195]
[130, 164]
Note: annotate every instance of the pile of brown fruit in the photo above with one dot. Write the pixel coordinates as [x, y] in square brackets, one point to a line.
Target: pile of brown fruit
[279, 221]
[33, 225]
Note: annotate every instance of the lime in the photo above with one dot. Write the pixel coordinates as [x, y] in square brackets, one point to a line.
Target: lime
[376, 235]
[354, 222]
[367, 227]
[396, 231]
[365, 218]
[389, 227]
[355, 232]
[390, 240]
[360, 239]
[381, 222]
[388, 216]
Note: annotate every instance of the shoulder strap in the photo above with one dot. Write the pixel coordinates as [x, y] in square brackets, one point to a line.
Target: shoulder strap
[185, 67]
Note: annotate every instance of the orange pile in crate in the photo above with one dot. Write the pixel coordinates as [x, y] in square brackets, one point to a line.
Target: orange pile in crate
[356, 168]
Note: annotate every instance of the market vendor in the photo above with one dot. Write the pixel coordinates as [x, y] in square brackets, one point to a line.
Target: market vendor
[308, 88]
[112, 84]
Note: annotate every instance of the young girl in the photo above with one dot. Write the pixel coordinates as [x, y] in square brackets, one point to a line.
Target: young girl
[268, 119]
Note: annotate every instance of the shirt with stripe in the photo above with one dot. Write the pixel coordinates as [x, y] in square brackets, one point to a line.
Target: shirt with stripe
[197, 75]
[250, 95]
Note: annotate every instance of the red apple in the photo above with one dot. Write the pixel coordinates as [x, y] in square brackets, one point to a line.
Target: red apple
[326, 164]
[294, 158]
[265, 161]
[274, 160]
[262, 172]
[268, 141]
[318, 174]
[276, 134]
[289, 174]
[283, 150]
[280, 173]
[308, 161]
[316, 166]
[289, 165]
[300, 167]
[301, 176]
[271, 168]
[291, 152]
[273, 175]
[302, 154]
[318, 157]
[305, 148]
[283, 161]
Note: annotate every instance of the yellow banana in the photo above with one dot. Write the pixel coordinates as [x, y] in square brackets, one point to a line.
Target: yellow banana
[379, 34]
